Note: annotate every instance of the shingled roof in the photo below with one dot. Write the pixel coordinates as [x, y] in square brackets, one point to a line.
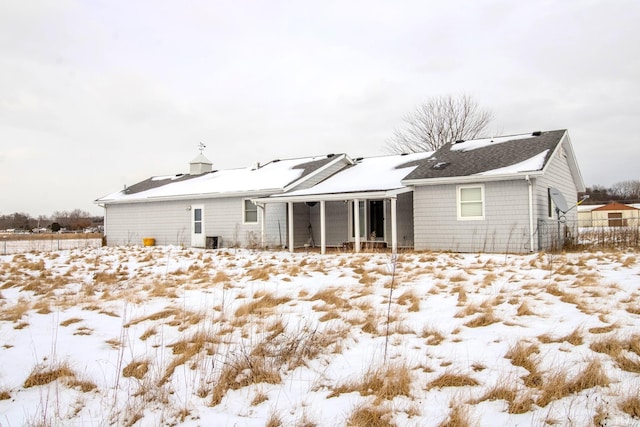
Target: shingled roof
[486, 156]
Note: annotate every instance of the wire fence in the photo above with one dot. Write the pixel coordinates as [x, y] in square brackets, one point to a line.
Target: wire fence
[554, 235]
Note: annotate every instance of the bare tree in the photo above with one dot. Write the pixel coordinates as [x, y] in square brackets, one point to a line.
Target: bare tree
[627, 190]
[438, 121]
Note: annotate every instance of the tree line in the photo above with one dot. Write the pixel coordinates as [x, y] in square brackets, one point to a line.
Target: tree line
[624, 191]
[75, 220]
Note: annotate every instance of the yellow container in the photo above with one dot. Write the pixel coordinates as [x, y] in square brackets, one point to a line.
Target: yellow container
[149, 241]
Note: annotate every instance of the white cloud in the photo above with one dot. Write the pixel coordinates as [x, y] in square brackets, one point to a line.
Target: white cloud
[130, 89]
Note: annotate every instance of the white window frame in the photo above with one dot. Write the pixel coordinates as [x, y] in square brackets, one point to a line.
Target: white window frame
[244, 212]
[459, 202]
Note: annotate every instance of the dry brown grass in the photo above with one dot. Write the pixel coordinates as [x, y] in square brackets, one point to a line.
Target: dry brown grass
[42, 375]
[602, 329]
[261, 306]
[148, 333]
[136, 369]
[631, 405]
[611, 346]
[410, 297]
[70, 321]
[574, 338]
[241, 370]
[4, 395]
[485, 319]
[370, 416]
[259, 398]
[458, 417]
[628, 364]
[185, 350]
[524, 310]
[557, 385]
[14, 313]
[162, 314]
[452, 379]
[432, 336]
[331, 296]
[274, 420]
[383, 382]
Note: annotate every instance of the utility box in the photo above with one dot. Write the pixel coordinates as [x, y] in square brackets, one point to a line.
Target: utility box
[213, 242]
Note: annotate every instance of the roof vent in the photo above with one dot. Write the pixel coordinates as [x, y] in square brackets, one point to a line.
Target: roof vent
[440, 165]
[536, 133]
[330, 155]
[459, 141]
[359, 159]
[275, 161]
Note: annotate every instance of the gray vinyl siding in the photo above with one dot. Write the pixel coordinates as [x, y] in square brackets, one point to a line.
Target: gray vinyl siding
[169, 223]
[557, 175]
[504, 229]
[336, 221]
[404, 213]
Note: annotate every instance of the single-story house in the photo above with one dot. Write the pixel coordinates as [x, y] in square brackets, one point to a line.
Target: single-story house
[483, 195]
[612, 214]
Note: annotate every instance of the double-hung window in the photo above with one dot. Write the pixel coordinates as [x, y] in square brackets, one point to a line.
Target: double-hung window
[470, 202]
[250, 213]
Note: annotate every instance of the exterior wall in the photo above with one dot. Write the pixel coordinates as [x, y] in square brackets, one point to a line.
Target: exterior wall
[301, 221]
[559, 176]
[504, 229]
[169, 223]
[336, 215]
[630, 217]
[584, 218]
[404, 213]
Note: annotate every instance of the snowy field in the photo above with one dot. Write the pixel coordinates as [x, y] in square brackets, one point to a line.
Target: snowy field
[171, 336]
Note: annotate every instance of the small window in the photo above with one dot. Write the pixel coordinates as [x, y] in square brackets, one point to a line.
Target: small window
[250, 212]
[471, 202]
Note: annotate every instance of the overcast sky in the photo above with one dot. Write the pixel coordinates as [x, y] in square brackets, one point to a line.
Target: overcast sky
[98, 94]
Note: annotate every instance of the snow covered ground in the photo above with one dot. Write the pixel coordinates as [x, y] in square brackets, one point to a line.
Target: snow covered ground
[171, 336]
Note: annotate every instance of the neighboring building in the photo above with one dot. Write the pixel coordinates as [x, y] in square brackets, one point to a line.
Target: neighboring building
[469, 196]
[613, 214]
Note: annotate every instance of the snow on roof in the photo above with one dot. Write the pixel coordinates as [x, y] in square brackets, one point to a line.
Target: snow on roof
[588, 208]
[269, 177]
[535, 163]
[368, 174]
[484, 142]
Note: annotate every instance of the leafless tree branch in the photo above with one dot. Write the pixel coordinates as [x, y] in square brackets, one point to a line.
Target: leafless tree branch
[438, 121]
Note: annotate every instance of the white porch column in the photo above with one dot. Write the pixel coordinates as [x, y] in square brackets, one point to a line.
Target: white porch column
[261, 209]
[356, 224]
[323, 228]
[290, 221]
[394, 226]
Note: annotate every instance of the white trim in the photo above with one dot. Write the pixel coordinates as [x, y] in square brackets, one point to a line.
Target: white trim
[244, 212]
[471, 179]
[371, 195]
[198, 240]
[338, 158]
[459, 189]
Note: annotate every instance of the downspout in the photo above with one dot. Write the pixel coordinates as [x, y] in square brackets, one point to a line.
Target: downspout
[530, 212]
